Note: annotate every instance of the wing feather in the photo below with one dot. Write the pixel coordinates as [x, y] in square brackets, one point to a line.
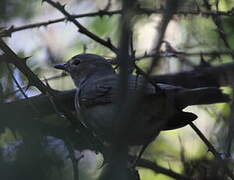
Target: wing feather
[105, 90]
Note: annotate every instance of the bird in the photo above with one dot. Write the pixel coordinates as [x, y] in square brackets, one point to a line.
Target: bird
[160, 106]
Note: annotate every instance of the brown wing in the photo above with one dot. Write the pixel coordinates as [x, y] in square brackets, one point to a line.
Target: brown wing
[105, 90]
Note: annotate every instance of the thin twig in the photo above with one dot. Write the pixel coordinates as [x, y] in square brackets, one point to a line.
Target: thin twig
[12, 29]
[216, 53]
[206, 141]
[179, 54]
[16, 82]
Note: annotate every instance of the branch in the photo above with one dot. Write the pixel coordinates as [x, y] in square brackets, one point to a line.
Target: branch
[21, 65]
[8, 32]
[158, 169]
[216, 53]
[82, 29]
[222, 75]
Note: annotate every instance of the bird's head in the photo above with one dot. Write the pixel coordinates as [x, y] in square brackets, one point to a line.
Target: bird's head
[84, 66]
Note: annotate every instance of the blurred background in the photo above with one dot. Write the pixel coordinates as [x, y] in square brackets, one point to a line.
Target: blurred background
[179, 150]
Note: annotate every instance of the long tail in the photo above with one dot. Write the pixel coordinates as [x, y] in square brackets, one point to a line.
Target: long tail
[198, 96]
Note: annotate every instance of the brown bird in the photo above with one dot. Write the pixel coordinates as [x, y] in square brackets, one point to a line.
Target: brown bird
[160, 106]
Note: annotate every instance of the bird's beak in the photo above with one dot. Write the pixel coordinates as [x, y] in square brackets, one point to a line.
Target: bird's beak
[61, 66]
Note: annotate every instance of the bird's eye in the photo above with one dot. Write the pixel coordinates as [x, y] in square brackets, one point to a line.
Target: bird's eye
[76, 62]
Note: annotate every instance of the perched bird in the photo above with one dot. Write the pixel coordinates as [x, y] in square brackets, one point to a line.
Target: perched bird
[160, 106]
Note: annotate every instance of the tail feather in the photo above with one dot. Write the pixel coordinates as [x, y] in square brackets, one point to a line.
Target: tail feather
[179, 120]
[198, 96]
